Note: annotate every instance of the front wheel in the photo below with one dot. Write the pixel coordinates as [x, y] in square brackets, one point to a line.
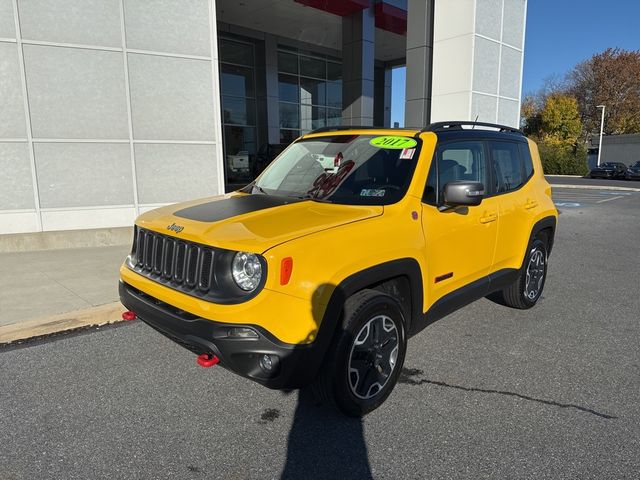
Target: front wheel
[526, 290]
[366, 356]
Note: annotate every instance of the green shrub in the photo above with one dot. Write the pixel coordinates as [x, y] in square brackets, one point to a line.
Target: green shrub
[559, 159]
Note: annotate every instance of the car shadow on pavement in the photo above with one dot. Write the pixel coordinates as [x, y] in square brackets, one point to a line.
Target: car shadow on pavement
[324, 443]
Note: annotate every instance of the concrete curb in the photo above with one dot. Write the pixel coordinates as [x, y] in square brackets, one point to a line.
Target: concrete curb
[596, 187]
[94, 316]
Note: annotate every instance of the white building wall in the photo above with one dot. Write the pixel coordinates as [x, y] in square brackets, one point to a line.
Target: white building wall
[478, 60]
[109, 108]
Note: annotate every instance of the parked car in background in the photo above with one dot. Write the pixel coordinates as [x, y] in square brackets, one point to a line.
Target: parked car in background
[609, 170]
[633, 172]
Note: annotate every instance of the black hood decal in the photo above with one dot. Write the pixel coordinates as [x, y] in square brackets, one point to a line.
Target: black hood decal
[232, 207]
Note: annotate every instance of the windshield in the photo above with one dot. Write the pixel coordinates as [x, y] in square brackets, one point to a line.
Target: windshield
[346, 169]
[607, 165]
[636, 165]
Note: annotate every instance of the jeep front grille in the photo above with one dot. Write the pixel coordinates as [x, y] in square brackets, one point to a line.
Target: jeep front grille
[199, 270]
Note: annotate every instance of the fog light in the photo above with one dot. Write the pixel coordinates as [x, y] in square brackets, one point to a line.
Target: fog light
[242, 332]
[266, 363]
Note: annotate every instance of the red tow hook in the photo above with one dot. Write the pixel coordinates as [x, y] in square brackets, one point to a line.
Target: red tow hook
[128, 315]
[207, 360]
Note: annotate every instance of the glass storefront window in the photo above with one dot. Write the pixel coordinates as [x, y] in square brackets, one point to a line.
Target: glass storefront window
[237, 84]
[289, 115]
[240, 149]
[334, 71]
[288, 136]
[288, 88]
[334, 94]
[334, 117]
[238, 111]
[312, 117]
[288, 63]
[235, 52]
[312, 91]
[235, 80]
[313, 67]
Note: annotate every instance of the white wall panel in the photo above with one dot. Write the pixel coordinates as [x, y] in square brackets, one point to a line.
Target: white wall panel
[514, 19]
[85, 22]
[483, 107]
[455, 18]
[171, 98]
[16, 184]
[18, 222]
[7, 24]
[488, 18]
[76, 93]
[174, 173]
[510, 72]
[83, 174]
[168, 26]
[453, 58]
[486, 66]
[88, 218]
[12, 121]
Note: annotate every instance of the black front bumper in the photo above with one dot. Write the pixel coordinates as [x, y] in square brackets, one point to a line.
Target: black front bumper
[294, 366]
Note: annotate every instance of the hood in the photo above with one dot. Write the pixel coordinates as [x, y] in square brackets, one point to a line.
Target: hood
[253, 223]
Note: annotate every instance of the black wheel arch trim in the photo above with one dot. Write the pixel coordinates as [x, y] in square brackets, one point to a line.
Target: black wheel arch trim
[543, 224]
[404, 267]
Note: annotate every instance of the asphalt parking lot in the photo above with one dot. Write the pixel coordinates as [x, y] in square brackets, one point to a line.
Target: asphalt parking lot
[487, 392]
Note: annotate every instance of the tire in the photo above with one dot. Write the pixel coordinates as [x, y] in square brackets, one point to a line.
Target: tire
[525, 292]
[365, 359]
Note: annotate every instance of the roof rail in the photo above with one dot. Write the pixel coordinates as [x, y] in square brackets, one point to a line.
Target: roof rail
[457, 125]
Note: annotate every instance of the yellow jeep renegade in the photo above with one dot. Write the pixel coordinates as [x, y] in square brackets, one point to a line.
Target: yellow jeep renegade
[350, 242]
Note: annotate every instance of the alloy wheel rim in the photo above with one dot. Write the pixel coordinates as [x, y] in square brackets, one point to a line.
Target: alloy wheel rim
[535, 274]
[373, 357]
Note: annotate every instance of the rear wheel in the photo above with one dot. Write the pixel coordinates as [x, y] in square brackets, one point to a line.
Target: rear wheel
[366, 356]
[526, 290]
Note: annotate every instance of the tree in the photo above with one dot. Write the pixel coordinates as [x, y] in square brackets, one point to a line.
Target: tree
[610, 78]
[560, 119]
[553, 120]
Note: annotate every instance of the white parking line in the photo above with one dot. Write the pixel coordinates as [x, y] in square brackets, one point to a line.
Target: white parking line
[609, 199]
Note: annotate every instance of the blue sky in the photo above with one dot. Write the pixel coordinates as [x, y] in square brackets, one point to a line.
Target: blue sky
[560, 33]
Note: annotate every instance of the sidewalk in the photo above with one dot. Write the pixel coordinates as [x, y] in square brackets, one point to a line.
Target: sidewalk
[41, 284]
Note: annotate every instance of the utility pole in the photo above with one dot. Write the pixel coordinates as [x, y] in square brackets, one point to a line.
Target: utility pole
[601, 130]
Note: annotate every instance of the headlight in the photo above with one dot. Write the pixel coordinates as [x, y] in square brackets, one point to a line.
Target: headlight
[246, 270]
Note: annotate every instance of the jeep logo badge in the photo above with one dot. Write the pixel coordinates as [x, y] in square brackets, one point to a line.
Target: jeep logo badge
[175, 228]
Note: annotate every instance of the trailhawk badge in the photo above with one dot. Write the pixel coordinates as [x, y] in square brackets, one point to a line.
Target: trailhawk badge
[175, 228]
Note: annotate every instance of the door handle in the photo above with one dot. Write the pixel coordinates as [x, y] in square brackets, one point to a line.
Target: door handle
[530, 204]
[489, 217]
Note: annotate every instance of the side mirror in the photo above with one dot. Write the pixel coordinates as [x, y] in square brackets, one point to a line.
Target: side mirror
[462, 194]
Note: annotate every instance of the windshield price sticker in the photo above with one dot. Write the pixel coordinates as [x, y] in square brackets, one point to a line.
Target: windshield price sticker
[393, 142]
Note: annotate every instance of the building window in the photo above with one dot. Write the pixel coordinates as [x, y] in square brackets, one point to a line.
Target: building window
[310, 92]
[237, 85]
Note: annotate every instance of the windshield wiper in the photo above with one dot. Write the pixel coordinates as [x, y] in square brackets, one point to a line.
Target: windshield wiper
[313, 199]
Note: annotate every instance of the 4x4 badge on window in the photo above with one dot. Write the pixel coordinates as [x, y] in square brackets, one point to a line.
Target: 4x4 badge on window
[392, 141]
[175, 228]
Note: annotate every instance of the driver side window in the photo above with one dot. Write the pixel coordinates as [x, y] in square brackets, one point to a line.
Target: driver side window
[452, 162]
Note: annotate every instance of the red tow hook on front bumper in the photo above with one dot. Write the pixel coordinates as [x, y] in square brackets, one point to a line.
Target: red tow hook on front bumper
[207, 360]
[128, 316]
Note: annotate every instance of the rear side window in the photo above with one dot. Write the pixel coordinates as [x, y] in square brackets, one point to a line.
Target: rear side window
[525, 154]
[454, 162]
[507, 166]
